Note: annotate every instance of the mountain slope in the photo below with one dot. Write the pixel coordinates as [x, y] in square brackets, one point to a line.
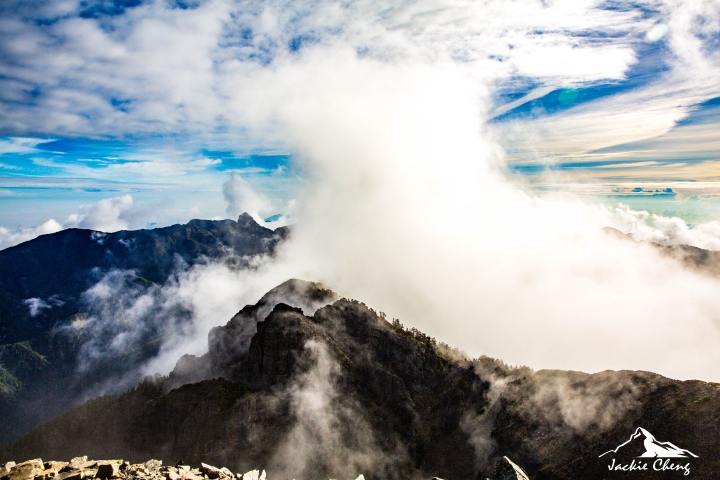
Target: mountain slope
[42, 287]
[342, 392]
[55, 269]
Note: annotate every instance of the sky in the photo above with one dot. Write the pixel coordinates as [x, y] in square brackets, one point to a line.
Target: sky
[449, 162]
[159, 99]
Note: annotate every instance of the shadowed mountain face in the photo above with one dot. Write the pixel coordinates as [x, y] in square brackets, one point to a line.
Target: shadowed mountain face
[42, 286]
[55, 269]
[334, 391]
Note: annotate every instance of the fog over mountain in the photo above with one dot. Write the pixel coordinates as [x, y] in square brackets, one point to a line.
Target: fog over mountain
[530, 181]
[326, 387]
[86, 312]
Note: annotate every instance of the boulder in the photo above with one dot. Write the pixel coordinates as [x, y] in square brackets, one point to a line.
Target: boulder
[34, 463]
[210, 471]
[77, 462]
[153, 465]
[108, 470]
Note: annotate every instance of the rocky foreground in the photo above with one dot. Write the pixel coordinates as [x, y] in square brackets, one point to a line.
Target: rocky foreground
[80, 468]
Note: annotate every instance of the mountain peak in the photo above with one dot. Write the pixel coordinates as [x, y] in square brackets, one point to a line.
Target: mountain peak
[246, 220]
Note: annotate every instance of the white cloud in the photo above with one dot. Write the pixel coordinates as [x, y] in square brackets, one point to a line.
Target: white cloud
[9, 237]
[106, 215]
[36, 305]
[241, 197]
[667, 231]
[176, 69]
[402, 211]
[19, 144]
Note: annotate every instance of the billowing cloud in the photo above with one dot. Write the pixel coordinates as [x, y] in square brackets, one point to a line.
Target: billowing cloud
[106, 215]
[9, 237]
[241, 197]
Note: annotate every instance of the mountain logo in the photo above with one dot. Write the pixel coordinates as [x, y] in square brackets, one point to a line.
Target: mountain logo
[642, 452]
[653, 447]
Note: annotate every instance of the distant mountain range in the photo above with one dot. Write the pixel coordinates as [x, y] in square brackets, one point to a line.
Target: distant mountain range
[307, 385]
[42, 282]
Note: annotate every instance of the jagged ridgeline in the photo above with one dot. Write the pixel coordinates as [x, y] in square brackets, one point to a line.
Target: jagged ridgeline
[306, 385]
[44, 305]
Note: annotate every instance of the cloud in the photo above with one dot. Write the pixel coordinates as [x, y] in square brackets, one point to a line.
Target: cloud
[402, 209]
[19, 145]
[667, 231]
[8, 237]
[106, 215]
[330, 432]
[160, 69]
[36, 305]
[241, 197]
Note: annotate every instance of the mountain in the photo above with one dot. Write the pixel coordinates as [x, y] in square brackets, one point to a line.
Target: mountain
[651, 448]
[56, 269]
[43, 285]
[693, 258]
[307, 385]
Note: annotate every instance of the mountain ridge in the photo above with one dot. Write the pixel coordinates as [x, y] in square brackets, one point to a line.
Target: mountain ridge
[391, 401]
[42, 286]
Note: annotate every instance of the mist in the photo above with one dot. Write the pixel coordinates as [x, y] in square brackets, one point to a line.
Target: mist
[407, 210]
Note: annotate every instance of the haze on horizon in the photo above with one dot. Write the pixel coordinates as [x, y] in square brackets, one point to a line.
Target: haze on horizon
[451, 163]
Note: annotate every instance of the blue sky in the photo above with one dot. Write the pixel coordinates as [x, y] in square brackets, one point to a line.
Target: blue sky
[163, 100]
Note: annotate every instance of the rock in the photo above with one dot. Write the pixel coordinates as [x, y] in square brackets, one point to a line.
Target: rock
[77, 462]
[505, 469]
[8, 466]
[108, 470]
[55, 466]
[226, 472]
[172, 476]
[24, 471]
[34, 463]
[360, 477]
[252, 475]
[209, 470]
[72, 475]
[153, 465]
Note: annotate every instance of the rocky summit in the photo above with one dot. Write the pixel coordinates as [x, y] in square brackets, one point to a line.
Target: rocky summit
[80, 468]
[307, 385]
